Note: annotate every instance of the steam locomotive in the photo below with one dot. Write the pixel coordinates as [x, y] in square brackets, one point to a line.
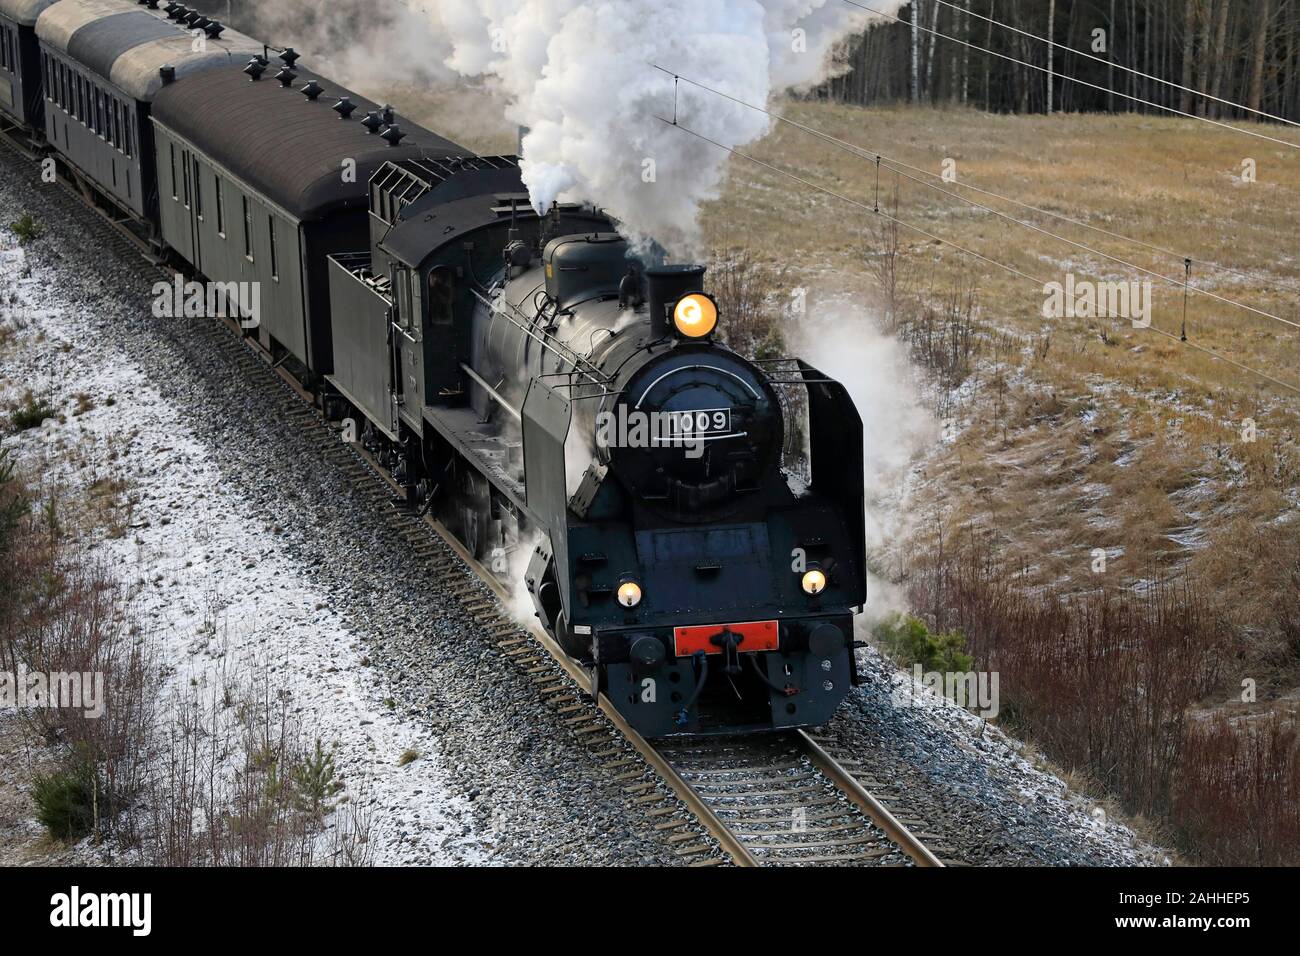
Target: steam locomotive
[564, 406]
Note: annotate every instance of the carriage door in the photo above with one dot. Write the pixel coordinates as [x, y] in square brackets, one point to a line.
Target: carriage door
[181, 157]
[196, 220]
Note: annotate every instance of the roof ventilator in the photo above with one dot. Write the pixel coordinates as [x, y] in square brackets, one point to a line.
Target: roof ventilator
[372, 122]
[286, 77]
[344, 107]
[393, 135]
[255, 68]
[311, 89]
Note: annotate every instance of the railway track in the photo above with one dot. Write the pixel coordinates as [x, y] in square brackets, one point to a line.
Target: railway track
[781, 799]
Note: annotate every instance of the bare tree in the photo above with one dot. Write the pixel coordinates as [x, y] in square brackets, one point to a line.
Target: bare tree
[1257, 57]
[1051, 35]
[1189, 53]
[1219, 57]
[916, 51]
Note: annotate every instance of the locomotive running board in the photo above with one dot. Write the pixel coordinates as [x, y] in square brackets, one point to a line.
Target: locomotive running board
[468, 436]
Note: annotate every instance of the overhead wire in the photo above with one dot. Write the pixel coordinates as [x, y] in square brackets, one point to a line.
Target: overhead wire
[948, 242]
[891, 164]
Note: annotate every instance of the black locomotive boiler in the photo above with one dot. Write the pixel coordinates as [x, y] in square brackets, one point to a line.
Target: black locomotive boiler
[567, 410]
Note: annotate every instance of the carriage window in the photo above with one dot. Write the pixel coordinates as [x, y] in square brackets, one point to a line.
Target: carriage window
[221, 209]
[275, 259]
[415, 298]
[248, 230]
[185, 179]
[173, 149]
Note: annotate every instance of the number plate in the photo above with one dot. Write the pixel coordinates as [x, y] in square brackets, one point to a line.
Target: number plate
[700, 423]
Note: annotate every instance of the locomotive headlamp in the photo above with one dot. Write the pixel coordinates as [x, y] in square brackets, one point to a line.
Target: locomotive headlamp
[629, 594]
[695, 315]
[814, 581]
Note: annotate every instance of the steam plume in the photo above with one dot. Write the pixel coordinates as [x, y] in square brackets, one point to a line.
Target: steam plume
[580, 76]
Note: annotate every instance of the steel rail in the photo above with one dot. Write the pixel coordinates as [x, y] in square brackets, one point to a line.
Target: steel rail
[907, 841]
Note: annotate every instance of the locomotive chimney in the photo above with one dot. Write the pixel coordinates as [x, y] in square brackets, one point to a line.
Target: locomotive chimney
[664, 286]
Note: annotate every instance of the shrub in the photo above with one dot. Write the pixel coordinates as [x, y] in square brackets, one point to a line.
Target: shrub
[909, 641]
[314, 780]
[31, 413]
[26, 228]
[1107, 682]
[13, 502]
[65, 800]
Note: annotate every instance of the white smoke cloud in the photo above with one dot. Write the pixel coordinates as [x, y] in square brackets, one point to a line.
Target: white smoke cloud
[842, 340]
[580, 76]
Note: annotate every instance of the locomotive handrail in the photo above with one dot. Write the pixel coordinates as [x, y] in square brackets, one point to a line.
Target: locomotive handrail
[492, 392]
[581, 366]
